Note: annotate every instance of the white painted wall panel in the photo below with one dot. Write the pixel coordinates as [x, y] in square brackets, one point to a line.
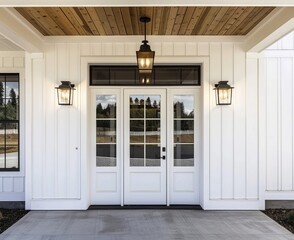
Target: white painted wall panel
[50, 121]
[215, 170]
[272, 123]
[252, 128]
[227, 63]
[286, 123]
[239, 101]
[38, 129]
[279, 72]
[73, 190]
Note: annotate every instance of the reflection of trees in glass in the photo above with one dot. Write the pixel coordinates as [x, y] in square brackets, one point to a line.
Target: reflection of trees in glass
[11, 106]
[179, 111]
[108, 112]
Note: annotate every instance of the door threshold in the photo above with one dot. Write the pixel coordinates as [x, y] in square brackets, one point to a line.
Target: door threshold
[145, 207]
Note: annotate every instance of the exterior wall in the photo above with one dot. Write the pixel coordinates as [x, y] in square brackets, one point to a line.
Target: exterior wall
[12, 183]
[57, 152]
[278, 95]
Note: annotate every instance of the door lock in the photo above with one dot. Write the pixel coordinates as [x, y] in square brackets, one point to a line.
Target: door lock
[163, 157]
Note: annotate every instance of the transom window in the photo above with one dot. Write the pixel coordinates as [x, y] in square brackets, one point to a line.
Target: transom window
[9, 122]
[129, 75]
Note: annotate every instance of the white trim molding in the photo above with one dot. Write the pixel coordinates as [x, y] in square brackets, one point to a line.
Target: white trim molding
[275, 26]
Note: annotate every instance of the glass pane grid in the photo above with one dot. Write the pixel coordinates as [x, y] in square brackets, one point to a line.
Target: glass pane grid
[142, 120]
[106, 133]
[184, 133]
[9, 123]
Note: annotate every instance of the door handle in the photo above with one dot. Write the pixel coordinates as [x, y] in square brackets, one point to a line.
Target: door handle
[163, 157]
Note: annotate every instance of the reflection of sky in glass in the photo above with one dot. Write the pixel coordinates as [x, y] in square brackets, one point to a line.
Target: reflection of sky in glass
[9, 86]
[105, 100]
[188, 101]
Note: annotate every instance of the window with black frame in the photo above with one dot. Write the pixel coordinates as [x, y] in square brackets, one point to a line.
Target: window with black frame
[9, 122]
[128, 75]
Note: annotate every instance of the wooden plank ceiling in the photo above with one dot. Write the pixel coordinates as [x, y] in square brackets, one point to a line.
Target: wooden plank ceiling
[55, 21]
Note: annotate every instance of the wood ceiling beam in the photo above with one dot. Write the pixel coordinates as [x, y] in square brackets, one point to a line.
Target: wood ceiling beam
[17, 30]
[272, 28]
[142, 3]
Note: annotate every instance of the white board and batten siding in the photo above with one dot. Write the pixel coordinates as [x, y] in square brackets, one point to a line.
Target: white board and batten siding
[59, 161]
[12, 185]
[278, 137]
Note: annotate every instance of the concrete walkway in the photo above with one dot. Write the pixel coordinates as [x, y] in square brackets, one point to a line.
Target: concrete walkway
[146, 225]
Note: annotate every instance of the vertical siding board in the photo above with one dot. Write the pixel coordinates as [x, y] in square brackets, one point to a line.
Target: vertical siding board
[272, 124]
[1, 184]
[50, 101]
[74, 125]
[227, 120]
[286, 122]
[37, 120]
[62, 125]
[239, 123]
[252, 128]
[215, 125]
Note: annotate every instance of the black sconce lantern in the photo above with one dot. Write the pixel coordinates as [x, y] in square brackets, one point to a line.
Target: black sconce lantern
[65, 93]
[223, 93]
[145, 57]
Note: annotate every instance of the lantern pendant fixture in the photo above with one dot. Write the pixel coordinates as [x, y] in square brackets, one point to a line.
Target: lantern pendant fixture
[65, 93]
[145, 57]
[223, 93]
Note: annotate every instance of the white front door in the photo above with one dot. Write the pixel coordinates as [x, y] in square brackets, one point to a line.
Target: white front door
[145, 146]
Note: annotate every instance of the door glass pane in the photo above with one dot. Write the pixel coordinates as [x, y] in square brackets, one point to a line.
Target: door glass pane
[105, 106]
[145, 130]
[183, 130]
[183, 106]
[136, 106]
[184, 155]
[152, 131]
[137, 131]
[105, 130]
[136, 155]
[153, 107]
[105, 155]
[152, 155]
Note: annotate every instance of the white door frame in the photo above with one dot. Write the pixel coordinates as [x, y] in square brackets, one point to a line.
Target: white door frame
[133, 188]
[196, 91]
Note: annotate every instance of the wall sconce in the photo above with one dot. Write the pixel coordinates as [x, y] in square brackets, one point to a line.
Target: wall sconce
[65, 93]
[223, 93]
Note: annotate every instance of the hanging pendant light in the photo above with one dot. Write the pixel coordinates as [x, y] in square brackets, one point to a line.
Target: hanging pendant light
[145, 57]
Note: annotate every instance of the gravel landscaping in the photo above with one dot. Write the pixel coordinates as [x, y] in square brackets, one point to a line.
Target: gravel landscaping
[10, 216]
[284, 217]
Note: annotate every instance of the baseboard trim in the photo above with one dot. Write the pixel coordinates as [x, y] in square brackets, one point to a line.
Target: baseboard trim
[145, 207]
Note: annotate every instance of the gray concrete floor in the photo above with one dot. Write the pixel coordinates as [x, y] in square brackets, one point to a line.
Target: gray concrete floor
[146, 225]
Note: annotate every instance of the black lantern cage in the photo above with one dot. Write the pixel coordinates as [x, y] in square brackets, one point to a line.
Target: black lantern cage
[223, 93]
[65, 93]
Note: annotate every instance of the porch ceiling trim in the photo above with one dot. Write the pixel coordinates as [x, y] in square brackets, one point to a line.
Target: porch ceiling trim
[276, 25]
[116, 3]
[17, 30]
